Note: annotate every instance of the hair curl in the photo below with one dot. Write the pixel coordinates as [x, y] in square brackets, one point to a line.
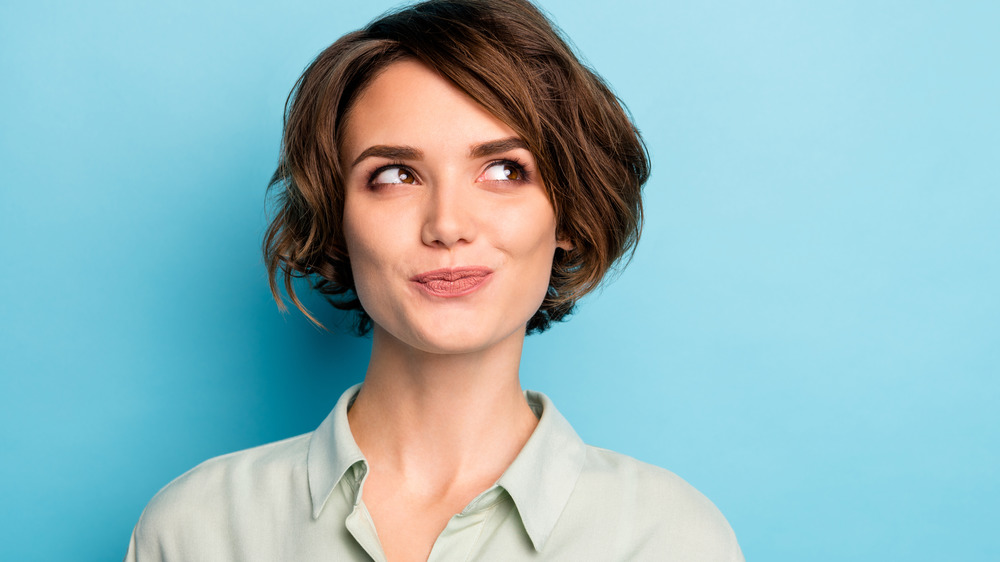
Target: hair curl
[508, 57]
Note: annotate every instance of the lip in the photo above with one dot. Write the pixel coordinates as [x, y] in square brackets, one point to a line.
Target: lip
[453, 282]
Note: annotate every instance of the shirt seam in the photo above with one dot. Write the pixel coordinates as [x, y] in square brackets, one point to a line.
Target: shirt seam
[489, 506]
[482, 525]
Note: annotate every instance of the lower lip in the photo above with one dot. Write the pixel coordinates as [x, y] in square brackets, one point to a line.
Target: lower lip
[456, 288]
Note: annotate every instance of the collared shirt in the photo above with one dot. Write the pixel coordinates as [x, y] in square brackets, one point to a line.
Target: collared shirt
[301, 500]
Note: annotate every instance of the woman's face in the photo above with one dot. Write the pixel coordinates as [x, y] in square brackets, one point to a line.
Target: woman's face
[449, 230]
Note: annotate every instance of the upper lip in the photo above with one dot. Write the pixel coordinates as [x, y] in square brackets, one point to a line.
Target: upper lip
[452, 273]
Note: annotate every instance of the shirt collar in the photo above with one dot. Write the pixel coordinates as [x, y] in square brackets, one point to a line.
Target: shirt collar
[332, 450]
[544, 473]
[540, 480]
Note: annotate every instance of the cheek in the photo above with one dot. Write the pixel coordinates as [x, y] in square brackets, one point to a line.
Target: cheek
[353, 238]
[530, 234]
[368, 235]
[534, 227]
[365, 249]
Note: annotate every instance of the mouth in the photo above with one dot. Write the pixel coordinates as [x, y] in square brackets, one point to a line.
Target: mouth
[452, 282]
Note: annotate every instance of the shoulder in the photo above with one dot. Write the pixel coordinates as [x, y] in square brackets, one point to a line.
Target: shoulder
[647, 485]
[223, 478]
[220, 492]
[661, 513]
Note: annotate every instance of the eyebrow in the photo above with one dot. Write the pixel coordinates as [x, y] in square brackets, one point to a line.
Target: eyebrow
[390, 152]
[481, 150]
[496, 147]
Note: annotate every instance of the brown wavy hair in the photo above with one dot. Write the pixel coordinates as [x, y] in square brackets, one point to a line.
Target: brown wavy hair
[507, 56]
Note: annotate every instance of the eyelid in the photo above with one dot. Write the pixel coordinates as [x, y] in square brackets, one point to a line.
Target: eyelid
[511, 161]
[378, 170]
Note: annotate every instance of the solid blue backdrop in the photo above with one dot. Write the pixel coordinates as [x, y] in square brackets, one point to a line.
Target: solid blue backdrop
[808, 332]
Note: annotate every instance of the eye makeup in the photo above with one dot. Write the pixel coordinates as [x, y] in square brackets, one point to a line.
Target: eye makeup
[518, 172]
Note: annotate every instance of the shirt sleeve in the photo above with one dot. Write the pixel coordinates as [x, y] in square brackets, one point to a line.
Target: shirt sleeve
[133, 550]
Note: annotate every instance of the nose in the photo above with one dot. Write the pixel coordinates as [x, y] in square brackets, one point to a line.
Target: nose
[449, 215]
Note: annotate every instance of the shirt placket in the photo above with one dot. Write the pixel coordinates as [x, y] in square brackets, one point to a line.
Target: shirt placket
[360, 523]
[362, 528]
[459, 537]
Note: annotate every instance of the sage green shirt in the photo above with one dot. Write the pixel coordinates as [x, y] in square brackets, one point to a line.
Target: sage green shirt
[301, 500]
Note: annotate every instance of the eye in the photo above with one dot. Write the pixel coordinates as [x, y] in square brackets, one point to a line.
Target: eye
[390, 175]
[504, 170]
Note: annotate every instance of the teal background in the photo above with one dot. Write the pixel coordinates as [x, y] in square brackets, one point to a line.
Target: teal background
[808, 332]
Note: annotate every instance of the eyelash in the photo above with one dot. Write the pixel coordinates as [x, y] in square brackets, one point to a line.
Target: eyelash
[374, 173]
[521, 168]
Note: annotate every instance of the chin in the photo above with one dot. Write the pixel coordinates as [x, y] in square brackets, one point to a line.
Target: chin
[457, 341]
[449, 335]
[455, 328]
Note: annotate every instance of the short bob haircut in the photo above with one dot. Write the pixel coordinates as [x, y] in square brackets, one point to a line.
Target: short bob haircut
[507, 56]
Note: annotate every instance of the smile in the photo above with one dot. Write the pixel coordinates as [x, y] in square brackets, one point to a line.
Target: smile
[456, 282]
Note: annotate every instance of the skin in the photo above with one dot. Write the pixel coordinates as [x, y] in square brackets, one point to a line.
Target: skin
[441, 414]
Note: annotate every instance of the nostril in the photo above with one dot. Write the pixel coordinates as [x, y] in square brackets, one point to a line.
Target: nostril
[447, 221]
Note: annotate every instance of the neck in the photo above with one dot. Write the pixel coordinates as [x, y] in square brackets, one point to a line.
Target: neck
[440, 417]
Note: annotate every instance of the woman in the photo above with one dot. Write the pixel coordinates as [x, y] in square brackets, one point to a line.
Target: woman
[456, 176]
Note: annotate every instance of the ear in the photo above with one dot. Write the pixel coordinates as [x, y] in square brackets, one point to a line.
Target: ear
[565, 244]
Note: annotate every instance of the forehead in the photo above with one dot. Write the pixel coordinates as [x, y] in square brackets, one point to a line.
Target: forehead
[411, 104]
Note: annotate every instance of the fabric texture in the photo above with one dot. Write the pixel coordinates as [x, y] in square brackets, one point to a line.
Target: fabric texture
[301, 499]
